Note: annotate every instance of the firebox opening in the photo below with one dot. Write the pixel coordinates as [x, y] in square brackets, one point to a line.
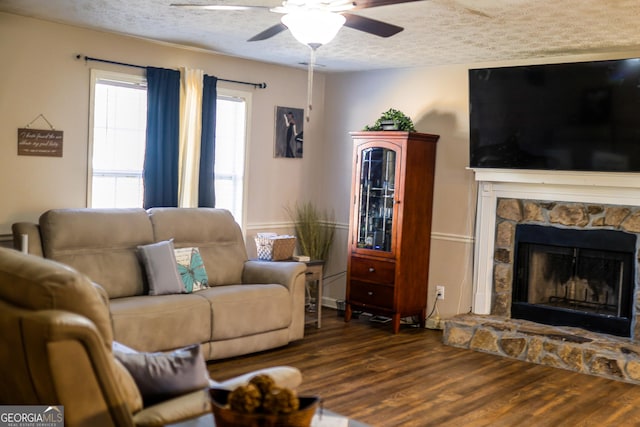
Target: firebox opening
[569, 277]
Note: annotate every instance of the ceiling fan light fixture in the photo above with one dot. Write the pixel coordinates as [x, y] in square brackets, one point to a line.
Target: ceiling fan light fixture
[313, 27]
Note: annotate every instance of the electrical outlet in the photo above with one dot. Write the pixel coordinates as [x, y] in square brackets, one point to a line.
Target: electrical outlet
[440, 292]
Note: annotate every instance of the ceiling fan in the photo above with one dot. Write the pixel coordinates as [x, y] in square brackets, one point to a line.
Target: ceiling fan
[328, 15]
[314, 23]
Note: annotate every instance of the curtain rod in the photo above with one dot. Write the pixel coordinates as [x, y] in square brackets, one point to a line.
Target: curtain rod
[107, 61]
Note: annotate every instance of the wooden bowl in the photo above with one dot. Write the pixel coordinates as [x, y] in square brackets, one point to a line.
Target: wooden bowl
[225, 417]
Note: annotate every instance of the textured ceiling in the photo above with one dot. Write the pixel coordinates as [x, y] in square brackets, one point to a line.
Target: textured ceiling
[436, 31]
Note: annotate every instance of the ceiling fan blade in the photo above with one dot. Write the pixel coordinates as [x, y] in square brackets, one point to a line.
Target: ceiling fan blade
[269, 32]
[371, 26]
[216, 6]
[364, 4]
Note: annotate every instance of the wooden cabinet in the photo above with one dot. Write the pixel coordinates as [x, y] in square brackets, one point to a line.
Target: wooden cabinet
[390, 224]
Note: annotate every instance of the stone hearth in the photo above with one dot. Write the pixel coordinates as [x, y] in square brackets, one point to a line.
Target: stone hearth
[567, 200]
[562, 347]
[573, 349]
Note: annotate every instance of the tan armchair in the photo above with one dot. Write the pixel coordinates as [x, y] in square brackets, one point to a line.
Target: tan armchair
[55, 349]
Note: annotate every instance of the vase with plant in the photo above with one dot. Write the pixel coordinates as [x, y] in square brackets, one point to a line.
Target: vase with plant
[314, 230]
[392, 119]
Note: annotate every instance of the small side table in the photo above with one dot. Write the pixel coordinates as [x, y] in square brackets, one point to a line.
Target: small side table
[314, 274]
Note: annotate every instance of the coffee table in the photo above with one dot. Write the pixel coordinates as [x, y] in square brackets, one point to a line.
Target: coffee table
[327, 419]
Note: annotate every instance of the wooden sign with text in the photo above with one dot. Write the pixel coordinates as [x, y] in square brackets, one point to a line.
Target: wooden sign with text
[39, 142]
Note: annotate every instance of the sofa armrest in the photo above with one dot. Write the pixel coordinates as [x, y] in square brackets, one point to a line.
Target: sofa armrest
[283, 273]
[73, 367]
[288, 274]
[102, 293]
[284, 376]
[32, 230]
[178, 409]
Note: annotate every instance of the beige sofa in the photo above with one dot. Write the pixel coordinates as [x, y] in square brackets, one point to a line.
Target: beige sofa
[250, 305]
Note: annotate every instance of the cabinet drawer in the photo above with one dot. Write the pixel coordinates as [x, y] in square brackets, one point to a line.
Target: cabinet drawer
[371, 294]
[372, 270]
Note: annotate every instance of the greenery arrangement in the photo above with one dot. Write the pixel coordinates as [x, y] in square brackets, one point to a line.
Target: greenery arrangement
[314, 230]
[399, 120]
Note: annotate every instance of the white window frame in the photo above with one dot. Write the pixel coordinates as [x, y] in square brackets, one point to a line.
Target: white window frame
[96, 74]
[247, 97]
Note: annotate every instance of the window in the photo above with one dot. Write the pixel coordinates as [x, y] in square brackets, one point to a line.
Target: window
[118, 141]
[231, 131]
[118, 134]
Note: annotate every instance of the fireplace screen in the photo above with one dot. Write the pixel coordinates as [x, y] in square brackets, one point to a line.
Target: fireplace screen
[574, 277]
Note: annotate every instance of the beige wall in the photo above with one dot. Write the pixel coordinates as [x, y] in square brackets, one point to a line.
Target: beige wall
[436, 99]
[40, 74]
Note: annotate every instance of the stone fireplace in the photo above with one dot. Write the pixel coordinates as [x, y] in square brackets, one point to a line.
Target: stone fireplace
[578, 204]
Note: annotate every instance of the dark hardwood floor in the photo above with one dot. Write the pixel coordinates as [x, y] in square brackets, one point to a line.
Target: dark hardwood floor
[361, 370]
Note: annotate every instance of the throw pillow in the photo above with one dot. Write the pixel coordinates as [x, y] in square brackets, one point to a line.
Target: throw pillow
[191, 269]
[161, 376]
[160, 265]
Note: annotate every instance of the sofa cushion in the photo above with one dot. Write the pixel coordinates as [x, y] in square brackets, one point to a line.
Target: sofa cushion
[162, 322]
[213, 231]
[101, 243]
[160, 376]
[191, 269]
[244, 310]
[160, 265]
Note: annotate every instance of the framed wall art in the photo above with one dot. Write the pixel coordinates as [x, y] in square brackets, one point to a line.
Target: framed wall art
[289, 132]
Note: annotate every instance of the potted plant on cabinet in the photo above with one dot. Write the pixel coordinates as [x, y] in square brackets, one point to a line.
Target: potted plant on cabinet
[392, 119]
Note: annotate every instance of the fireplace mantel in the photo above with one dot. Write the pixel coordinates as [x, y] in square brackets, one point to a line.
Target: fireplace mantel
[562, 186]
[572, 178]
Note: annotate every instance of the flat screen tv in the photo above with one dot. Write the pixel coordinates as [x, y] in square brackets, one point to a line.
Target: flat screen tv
[574, 116]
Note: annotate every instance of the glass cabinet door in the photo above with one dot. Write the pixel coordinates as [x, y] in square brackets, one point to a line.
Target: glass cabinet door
[376, 198]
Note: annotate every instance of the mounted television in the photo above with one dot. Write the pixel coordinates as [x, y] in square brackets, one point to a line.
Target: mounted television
[575, 116]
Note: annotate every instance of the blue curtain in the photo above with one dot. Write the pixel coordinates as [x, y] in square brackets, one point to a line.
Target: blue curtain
[206, 187]
[160, 173]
